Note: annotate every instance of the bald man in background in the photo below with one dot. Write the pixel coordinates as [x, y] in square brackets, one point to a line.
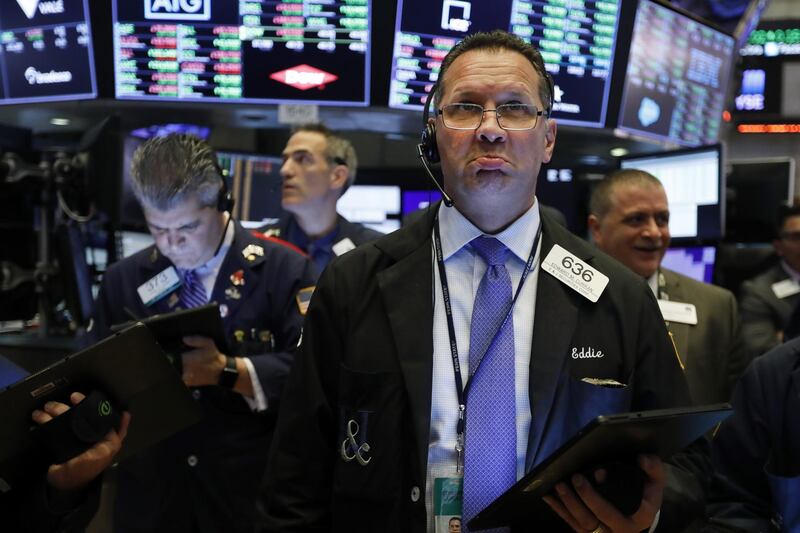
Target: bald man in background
[629, 220]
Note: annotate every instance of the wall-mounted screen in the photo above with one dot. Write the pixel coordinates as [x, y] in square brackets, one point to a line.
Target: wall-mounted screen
[696, 262]
[375, 206]
[694, 184]
[676, 95]
[298, 51]
[576, 40]
[45, 51]
[756, 188]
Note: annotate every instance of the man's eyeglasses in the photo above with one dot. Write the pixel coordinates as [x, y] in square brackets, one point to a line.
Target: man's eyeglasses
[510, 117]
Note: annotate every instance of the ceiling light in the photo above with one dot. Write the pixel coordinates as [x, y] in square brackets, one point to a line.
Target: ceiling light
[59, 121]
[618, 152]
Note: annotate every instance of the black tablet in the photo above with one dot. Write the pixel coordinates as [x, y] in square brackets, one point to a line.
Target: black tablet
[170, 328]
[129, 367]
[612, 439]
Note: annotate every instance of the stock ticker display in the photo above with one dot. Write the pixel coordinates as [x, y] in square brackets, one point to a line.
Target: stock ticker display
[576, 38]
[310, 51]
[45, 51]
[678, 95]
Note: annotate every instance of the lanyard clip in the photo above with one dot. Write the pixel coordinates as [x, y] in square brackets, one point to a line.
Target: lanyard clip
[460, 440]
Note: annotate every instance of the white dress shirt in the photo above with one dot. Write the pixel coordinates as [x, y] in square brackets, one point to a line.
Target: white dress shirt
[464, 269]
[207, 273]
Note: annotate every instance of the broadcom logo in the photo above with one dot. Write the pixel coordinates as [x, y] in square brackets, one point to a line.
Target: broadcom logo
[304, 77]
[177, 9]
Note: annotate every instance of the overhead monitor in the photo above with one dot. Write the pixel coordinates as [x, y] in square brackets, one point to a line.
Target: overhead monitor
[576, 40]
[45, 51]
[696, 262]
[375, 206]
[245, 51]
[676, 95]
[756, 189]
[694, 183]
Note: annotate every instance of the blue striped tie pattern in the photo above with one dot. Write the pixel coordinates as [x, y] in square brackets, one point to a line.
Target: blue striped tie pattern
[490, 449]
[192, 293]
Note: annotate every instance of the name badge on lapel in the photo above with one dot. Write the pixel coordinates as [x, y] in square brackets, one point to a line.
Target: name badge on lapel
[680, 312]
[159, 286]
[784, 289]
[581, 277]
[343, 246]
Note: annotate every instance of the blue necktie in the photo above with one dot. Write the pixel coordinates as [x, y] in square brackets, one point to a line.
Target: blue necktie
[192, 293]
[490, 449]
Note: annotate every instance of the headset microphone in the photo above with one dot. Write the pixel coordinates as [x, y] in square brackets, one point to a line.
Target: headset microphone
[445, 197]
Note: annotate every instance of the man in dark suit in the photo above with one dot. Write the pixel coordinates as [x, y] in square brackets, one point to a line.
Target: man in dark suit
[205, 478]
[756, 452]
[629, 220]
[768, 300]
[377, 426]
[318, 167]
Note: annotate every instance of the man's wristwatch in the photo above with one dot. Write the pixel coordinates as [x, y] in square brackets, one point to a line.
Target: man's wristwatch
[229, 374]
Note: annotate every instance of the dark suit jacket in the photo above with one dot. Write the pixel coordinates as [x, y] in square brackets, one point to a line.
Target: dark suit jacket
[712, 350]
[756, 452]
[367, 356]
[345, 229]
[763, 314]
[161, 489]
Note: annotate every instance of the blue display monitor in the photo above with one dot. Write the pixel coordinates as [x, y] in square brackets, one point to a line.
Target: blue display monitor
[677, 77]
[696, 262]
[236, 51]
[576, 40]
[694, 183]
[45, 51]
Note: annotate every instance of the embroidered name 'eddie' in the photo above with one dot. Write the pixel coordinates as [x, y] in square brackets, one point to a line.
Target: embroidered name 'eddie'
[587, 353]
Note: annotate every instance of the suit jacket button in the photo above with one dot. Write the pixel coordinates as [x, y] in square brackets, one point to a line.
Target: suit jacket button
[196, 394]
[415, 494]
[192, 460]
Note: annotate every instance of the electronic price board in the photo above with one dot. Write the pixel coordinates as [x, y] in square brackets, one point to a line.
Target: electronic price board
[45, 51]
[576, 39]
[255, 51]
[676, 96]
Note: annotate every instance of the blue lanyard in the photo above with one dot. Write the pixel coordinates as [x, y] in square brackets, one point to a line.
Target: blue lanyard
[461, 390]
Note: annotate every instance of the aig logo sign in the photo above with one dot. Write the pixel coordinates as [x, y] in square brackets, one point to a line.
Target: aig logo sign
[177, 9]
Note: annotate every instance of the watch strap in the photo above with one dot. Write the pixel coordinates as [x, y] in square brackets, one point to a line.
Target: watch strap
[229, 374]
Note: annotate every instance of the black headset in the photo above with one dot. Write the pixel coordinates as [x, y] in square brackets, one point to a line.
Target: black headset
[225, 201]
[428, 151]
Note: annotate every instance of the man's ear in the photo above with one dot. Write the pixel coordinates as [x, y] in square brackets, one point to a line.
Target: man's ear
[594, 229]
[549, 139]
[338, 177]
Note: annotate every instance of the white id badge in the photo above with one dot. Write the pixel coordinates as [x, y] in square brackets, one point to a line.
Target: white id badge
[581, 277]
[681, 312]
[159, 286]
[784, 289]
[448, 498]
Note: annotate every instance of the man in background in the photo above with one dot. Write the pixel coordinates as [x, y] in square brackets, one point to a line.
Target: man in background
[318, 167]
[768, 300]
[629, 220]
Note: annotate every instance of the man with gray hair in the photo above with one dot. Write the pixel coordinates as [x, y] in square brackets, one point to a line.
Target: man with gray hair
[204, 479]
[318, 167]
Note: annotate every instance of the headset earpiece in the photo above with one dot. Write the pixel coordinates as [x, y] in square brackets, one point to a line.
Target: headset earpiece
[225, 201]
[428, 137]
[428, 142]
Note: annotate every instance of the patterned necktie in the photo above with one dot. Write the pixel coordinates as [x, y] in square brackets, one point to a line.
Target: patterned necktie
[193, 293]
[490, 449]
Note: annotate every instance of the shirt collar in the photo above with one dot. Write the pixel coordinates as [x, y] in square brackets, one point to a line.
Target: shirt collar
[456, 231]
[795, 275]
[652, 281]
[214, 262]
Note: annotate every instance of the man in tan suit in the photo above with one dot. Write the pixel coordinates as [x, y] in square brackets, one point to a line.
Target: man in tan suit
[629, 220]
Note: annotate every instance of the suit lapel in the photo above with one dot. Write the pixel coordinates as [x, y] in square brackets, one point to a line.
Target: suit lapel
[680, 332]
[552, 332]
[236, 265]
[406, 288]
